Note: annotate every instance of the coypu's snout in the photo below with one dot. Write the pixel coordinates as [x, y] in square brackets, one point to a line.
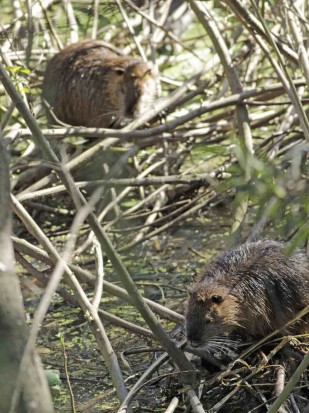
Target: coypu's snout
[193, 333]
[132, 102]
[194, 340]
[141, 89]
[194, 344]
[195, 323]
[207, 313]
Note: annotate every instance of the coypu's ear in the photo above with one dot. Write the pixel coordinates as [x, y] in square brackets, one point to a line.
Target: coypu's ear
[150, 72]
[194, 276]
[217, 299]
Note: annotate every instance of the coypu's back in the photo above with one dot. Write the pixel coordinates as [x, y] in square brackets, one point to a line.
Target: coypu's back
[92, 84]
[250, 290]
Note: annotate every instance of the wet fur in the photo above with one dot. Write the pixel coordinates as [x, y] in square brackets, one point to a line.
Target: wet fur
[261, 287]
[92, 84]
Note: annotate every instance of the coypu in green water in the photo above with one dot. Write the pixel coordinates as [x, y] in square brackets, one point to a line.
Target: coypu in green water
[248, 291]
[92, 84]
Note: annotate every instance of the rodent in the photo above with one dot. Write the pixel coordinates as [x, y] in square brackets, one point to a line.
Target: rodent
[249, 292]
[90, 83]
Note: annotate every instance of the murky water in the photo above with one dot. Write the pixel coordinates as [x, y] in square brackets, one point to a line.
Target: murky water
[162, 268]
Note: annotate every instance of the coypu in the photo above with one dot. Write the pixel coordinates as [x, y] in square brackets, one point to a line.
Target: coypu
[92, 84]
[247, 292]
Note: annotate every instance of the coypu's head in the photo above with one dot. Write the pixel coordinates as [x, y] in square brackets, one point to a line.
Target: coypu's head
[212, 315]
[128, 88]
[140, 88]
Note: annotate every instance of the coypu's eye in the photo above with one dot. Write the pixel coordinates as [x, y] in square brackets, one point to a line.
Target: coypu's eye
[217, 299]
[119, 71]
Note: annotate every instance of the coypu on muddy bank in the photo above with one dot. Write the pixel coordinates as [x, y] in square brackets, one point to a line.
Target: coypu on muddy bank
[92, 84]
[249, 291]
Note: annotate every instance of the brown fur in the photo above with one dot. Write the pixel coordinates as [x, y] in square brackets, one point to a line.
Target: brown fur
[250, 290]
[92, 84]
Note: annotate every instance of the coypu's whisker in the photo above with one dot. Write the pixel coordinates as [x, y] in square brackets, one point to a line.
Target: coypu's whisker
[221, 345]
[223, 342]
[228, 343]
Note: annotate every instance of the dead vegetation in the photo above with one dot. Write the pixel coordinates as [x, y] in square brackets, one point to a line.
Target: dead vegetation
[230, 130]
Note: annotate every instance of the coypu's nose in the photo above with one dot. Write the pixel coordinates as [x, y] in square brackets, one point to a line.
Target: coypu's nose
[193, 343]
[193, 337]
